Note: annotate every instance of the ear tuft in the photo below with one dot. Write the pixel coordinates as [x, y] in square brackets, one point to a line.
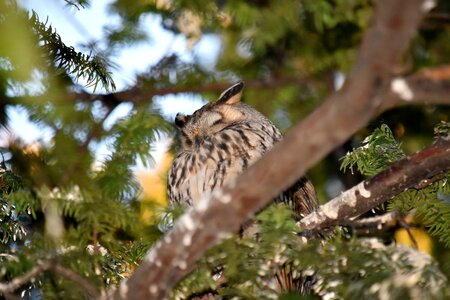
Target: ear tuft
[232, 95]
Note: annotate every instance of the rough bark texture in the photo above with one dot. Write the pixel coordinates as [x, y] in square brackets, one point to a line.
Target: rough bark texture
[370, 193]
[330, 125]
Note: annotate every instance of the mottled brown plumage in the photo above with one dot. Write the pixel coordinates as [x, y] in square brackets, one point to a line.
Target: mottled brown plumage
[219, 141]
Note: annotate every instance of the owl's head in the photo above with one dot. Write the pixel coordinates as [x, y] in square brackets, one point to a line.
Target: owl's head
[212, 117]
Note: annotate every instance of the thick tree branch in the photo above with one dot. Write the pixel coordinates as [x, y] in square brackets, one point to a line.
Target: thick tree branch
[331, 124]
[404, 174]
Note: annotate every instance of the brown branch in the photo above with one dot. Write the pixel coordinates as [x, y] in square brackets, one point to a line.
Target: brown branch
[10, 287]
[404, 174]
[143, 94]
[429, 85]
[330, 125]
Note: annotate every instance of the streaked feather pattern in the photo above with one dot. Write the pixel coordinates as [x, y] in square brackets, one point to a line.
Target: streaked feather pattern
[219, 141]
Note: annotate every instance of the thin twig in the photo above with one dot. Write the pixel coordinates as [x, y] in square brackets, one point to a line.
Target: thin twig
[75, 277]
[408, 231]
[97, 129]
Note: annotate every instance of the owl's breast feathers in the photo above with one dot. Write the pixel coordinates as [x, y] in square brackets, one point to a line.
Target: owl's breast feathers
[218, 158]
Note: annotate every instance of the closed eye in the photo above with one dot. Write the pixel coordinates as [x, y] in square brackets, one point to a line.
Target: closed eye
[218, 121]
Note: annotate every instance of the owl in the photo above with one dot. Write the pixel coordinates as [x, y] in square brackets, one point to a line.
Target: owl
[218, 142]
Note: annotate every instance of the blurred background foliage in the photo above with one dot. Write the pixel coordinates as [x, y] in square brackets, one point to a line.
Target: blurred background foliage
[60, 202]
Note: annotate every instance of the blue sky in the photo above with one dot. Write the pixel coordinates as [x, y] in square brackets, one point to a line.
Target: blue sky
[82, 26]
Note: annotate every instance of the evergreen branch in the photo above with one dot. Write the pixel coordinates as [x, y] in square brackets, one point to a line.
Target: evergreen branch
[406, 173]
[430, 206]
[435, 215]
[378, 151]
[91, 67]
[43, 266]
[216, 216]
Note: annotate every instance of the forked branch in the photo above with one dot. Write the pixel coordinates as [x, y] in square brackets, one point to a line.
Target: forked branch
[406, 173]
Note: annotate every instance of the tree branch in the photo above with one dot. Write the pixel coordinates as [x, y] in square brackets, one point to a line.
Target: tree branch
[77, 278]
[10, 287]
[345, 112]
[430, 85]
[404, 174]
[139, 94]
[143, 94]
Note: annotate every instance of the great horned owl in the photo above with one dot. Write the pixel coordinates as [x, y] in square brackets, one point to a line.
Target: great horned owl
[219, 141]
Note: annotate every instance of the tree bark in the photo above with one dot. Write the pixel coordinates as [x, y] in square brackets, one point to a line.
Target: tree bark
[404, 174]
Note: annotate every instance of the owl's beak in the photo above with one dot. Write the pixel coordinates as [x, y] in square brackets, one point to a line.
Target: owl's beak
[180, 120]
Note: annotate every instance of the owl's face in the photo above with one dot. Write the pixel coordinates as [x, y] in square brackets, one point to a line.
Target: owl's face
[211, 118]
